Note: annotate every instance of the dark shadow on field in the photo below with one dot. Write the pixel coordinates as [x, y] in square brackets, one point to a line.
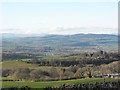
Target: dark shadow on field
[86, 86]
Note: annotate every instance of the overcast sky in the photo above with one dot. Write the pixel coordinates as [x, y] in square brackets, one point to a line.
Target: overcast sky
[59, 17]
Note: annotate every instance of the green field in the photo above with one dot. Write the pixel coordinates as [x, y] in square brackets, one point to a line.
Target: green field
[54, 83]
[23, 64]
[17, 64]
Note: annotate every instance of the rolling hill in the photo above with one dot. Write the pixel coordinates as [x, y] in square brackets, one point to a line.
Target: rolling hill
[58, 45]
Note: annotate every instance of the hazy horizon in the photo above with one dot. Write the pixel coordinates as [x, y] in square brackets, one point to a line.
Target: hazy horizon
[70, 31]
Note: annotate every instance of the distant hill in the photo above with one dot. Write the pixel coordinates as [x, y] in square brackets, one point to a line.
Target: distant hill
[58, 45]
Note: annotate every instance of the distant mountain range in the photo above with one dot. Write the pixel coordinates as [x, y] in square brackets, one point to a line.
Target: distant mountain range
[58, 45]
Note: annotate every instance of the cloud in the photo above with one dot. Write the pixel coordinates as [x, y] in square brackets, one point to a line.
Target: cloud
[11, 30]
[62, 30]
[96, 30]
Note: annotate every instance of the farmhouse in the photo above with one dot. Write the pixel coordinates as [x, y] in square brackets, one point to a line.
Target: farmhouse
[107, 76]
[114, 75]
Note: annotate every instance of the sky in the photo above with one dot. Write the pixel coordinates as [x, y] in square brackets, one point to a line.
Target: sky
[59, 17]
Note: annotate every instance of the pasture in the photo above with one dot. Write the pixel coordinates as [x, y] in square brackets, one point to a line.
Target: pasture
[44, 84]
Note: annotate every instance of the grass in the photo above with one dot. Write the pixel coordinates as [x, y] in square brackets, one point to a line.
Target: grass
[17, 64]
[6, 78]
[23, 64]
[53, 83]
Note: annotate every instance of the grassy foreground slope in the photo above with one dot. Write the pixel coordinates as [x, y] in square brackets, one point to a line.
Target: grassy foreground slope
[23, 64]
[54, 83]
[17, 64]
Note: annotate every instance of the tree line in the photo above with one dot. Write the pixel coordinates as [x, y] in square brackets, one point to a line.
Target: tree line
[59, 73]
[97, 58]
